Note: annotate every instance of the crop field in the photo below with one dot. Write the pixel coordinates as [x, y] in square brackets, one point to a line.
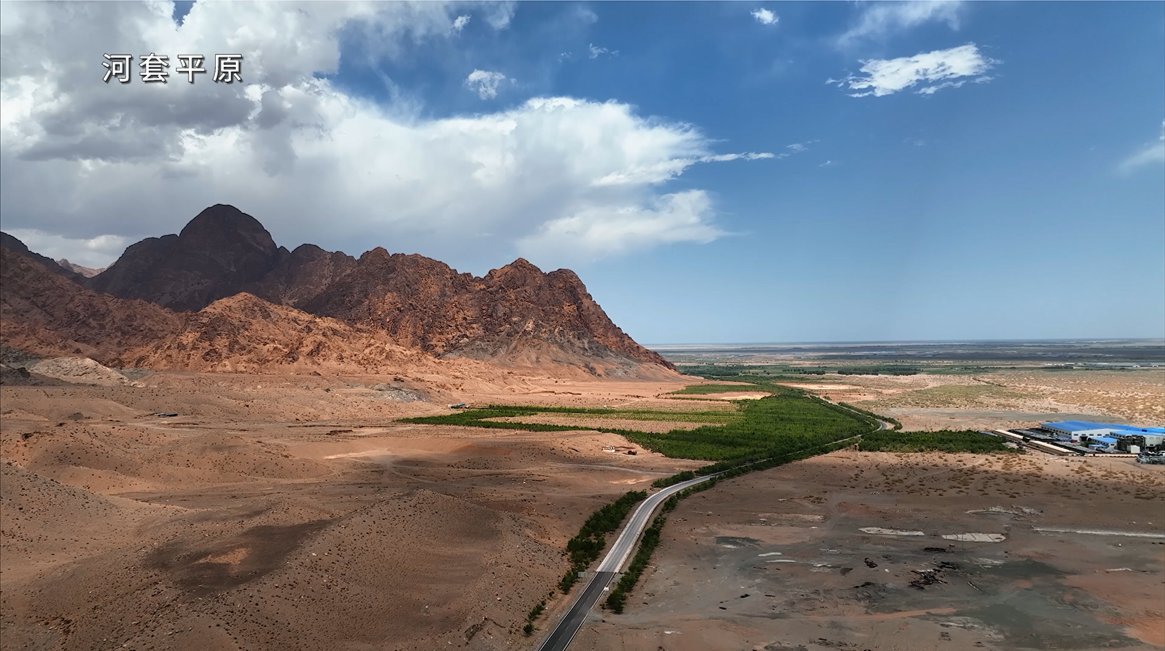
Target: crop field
[786, 421]
[709, 389]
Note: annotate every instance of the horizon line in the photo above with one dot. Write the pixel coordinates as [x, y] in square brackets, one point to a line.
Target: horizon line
[905, 341]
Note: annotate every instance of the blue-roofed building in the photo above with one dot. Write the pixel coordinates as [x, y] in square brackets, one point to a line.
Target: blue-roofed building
[1104, 442]
[1089, 432]
[1073, 426]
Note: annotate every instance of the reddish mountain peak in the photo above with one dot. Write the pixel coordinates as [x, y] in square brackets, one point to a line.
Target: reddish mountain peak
[309, 251]
[521, 265]
[516, 312]
[377, 254]
[518, 273]
[222, 220]
[566, 278]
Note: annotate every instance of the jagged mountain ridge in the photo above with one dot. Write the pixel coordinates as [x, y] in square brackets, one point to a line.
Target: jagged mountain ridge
[514, 314]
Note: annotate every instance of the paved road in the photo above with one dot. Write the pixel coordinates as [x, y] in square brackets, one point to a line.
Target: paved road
[596, 588]
[568, 626]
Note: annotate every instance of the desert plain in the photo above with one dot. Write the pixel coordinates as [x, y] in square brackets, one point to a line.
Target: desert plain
[289, 512]
[170, 510]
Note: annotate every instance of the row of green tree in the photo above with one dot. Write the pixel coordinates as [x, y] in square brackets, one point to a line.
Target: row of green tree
[940, 441]
[785, 421]
[589, 542]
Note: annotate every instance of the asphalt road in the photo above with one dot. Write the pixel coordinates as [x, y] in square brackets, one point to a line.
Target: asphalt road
[568, 626]
[596, 588]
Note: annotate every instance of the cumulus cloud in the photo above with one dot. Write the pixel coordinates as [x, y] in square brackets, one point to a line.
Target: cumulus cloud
[1151, 154]
[459, 23]
[485, 83]
[765, 16]
[878, 20]
[929, 71]
[90, 166]
[594, 233]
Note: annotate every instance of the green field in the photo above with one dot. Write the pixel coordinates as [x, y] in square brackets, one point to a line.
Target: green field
[786, 421]
[707, 389]
[485, 417]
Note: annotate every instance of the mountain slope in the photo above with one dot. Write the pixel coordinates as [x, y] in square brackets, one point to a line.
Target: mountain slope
[218, 253]
[46, 313]
[243, 333]
[13, 244]
[515, 315]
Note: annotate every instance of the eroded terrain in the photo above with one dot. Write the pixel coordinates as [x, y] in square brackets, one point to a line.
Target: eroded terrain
[290, 512]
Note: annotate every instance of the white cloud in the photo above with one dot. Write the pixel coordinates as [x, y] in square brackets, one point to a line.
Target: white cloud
[485, 83]
[765, 16]
[934, 71]
[1151, 154]
[665, 170]
[81, 160]
[592, 233]
[878, 20]
[595, 51]
[459, 23]
[502, 13]
[796, 148]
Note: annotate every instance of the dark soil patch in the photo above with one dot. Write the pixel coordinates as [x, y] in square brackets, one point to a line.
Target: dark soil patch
[231, 562]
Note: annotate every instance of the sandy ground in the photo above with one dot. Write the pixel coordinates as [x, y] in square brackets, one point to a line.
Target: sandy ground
[293, 512]
[1003, 398]
[290, 513]
[820, 554]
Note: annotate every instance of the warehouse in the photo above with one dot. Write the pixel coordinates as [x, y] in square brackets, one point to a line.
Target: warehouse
[1071, 427]
[1106, 436]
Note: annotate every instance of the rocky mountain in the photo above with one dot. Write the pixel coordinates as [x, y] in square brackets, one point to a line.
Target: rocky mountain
[216, 255]
[45, 312]
[12, 244]
[515, 314]
[87, 272]
[243, 333]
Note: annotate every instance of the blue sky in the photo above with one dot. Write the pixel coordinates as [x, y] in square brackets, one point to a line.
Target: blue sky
[1022, 196]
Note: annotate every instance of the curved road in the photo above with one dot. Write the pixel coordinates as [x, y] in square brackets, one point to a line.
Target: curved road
[568, 626]
[596, 587]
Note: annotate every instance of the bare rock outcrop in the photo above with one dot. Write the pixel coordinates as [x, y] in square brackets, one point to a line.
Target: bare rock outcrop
[45, 313]
[216, 255]
[161, 305]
